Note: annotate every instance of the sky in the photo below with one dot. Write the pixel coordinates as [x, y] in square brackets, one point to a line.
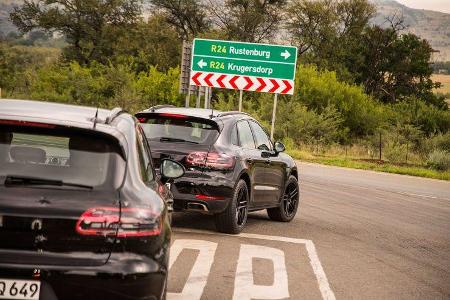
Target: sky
[438, 5]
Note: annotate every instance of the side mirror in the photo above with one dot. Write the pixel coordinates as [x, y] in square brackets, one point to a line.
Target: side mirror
[171, 170]
[279, 147]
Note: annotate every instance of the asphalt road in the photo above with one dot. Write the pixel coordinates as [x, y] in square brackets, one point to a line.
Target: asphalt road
[357, 235]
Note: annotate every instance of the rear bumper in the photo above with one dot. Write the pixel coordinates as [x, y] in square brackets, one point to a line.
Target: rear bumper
[123, 277]
[186, 189]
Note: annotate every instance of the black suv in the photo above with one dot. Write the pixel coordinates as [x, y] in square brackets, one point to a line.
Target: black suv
[82, 215]
[232, 167]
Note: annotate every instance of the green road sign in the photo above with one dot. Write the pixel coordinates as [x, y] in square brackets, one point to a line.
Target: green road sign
[245, 59]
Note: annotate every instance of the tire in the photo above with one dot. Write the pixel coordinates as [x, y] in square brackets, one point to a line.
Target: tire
[288, 204]
[233, 219]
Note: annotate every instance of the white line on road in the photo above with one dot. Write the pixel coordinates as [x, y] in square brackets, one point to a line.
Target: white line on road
[198, 277]
[324, 286]
[244, 284]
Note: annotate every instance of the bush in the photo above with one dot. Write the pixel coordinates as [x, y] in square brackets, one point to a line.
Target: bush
[439, 160]
[318, 90]
[395, 153]
[101, 85]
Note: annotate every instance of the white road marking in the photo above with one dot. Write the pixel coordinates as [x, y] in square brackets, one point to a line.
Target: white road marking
[244, 287]
[196, 282]
[417, 195]
[324, 286]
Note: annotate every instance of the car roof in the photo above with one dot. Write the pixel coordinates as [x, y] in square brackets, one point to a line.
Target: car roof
[204, 113]
[65, 115]
[49, 110]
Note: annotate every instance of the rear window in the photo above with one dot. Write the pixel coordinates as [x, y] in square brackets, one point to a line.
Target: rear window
[179, 129]
[70, 156]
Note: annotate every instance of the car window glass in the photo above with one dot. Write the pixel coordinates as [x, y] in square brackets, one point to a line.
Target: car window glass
[234, 137]
[164, 128]
[245, 136]
[262, 140]
[144, 159]
[67, 155]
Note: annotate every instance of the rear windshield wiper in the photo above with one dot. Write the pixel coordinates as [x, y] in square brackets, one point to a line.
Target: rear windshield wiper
[169, 139]
[28, 180]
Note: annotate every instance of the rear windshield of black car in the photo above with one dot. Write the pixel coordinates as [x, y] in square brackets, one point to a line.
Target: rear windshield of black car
[68, 155]
[179, 129]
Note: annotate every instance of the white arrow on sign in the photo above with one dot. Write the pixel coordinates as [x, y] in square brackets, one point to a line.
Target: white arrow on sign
[285, 54]
[202, 64]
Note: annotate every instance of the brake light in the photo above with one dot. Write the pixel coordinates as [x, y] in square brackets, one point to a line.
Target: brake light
[213, 160]
[106, 221]
[26, 123]
[175, 116]
[142, 120]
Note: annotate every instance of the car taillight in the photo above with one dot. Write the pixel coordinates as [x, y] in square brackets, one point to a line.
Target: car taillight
[213, 160]
[107, 221]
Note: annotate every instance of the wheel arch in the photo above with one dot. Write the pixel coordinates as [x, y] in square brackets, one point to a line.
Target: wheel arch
[244, 176]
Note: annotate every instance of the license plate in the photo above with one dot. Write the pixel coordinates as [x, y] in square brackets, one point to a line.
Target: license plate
[19, 289]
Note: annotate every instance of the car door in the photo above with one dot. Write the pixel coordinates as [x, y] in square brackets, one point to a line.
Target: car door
[272, 184]
[256, 164]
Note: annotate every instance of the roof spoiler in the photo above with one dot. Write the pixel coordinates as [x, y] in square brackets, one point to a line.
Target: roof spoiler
[153, 108]
[230, 113]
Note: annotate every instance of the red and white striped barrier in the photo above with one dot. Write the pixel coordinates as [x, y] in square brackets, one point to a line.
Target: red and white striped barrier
[245, 83]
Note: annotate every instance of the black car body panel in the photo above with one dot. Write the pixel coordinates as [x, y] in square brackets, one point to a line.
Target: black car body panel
[47, 230]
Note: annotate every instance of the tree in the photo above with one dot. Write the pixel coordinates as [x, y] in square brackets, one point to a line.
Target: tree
[395, 66]
[248, 20]
[150, 43]
[188, 17]
[89, 26]
[327, 31]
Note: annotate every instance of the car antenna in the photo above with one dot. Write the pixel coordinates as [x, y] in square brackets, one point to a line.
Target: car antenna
[95, 118]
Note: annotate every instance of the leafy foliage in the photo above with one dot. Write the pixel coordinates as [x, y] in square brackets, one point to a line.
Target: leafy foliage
[188, 17]
[439, 160]
[90, 27]
[248, 20]
[102, 85]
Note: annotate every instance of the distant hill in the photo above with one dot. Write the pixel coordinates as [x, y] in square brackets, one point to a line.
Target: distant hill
[6, 7]
[431, 25]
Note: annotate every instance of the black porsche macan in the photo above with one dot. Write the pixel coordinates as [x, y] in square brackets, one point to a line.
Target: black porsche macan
[82, 214]
[232, 167]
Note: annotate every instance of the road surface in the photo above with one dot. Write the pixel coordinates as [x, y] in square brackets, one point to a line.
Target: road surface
[358, 235]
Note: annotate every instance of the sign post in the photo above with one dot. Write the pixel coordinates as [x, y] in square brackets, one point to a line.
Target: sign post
[244, 67]
[274, 112]
[240, 100]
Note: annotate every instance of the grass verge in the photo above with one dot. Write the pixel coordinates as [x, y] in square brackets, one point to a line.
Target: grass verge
[369, 165]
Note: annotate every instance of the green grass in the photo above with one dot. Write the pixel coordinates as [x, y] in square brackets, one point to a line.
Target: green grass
[369, 165]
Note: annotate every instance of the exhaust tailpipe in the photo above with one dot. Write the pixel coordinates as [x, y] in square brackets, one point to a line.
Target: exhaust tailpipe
[196, 206]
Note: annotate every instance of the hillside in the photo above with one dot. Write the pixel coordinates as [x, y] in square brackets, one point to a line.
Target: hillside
[6, 7]
[431, 25]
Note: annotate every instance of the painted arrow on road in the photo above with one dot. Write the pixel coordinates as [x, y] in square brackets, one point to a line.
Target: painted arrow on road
[245, 83]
